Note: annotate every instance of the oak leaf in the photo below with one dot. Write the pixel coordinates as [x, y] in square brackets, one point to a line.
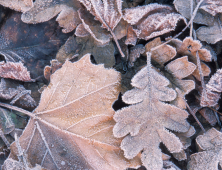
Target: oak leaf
[152, 20]
[213, 90]
[176, 71]
[72, 126]
[210, 155]
[144, 123]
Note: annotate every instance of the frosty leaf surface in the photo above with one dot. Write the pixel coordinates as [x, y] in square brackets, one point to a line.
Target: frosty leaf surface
[144, 123]
[210, 155]
[18, 5]
[72, 126]
[152, 20]
[212, 6]
[15, 71]
[175, 70]
[213, 90]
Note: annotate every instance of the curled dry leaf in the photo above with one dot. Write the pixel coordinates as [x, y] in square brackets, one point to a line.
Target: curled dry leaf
[72, 126]
[152, 20]
[175, 70]
[135, 53]
[213, 90]
[49, 70]
[210, 156]
[15, 71]
[189, 47]
[144, 123]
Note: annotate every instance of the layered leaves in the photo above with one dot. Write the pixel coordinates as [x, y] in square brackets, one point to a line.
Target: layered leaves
[144, 123]
[72, 126]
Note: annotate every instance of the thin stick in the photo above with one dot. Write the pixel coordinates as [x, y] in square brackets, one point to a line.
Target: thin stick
[191, 12]
[191, 20]
[17, 109]
[193, 114]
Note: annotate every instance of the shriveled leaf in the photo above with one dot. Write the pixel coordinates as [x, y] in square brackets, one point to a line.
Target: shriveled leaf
[15, 71]
[189, 47]
[15, 92]
[210, 34]
[18, 5]
[211, 144]
[135, 53]
[33, 45]
[202, 17]
[72, 126]
[175, 70]
[213, 90]
[144, 123]
[49, 70]
[152, 20]
[209, 115]
[212, 6]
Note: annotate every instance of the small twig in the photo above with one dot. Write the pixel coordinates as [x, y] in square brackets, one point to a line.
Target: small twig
[117, 43]
[193, 114]
[4, 139]
[191, 20]
[191, 12]
[17, 109]
[214, 110]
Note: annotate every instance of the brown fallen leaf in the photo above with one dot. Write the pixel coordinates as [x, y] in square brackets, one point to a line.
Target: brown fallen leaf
[18, 5]
[212, 6]
[176, 71]
[72, 126]
[189, 47]
[144, 123]
[135, 53]
[210, 155]
[152, 20]
[49, 70]
[213, 90]
[15, 71]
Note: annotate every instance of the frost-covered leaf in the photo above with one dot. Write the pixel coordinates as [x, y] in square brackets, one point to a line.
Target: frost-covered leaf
[213, 90]
[144, 123]
[210, 144]
[189, 47]
[135, 53]
[16, 93]
[210, 34]
[15, 71]
[212, 6]
[175, 70]
[72, 126]
[152, 20]
[49, 70]
[18, 5]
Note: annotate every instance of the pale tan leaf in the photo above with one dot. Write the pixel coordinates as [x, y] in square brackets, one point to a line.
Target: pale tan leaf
[152, 20]
[213, 90]
[44, 10]
[15, 71]
[18, 5]
[144, 123]
[210, 143]
[189, 47]
[72, 126]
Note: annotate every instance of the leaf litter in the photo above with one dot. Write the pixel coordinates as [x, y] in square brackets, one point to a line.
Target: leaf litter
[110, 30]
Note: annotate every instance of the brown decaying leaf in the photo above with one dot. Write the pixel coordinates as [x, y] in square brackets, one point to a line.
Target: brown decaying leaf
[135, 53]
[144, 124]
[72, 126]
[15, 71]
[152, 20]
[18, 93]
[49, 70]
[213, 90]
[18, 5]
[210, 156]
[175, 70]
[189, 47]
